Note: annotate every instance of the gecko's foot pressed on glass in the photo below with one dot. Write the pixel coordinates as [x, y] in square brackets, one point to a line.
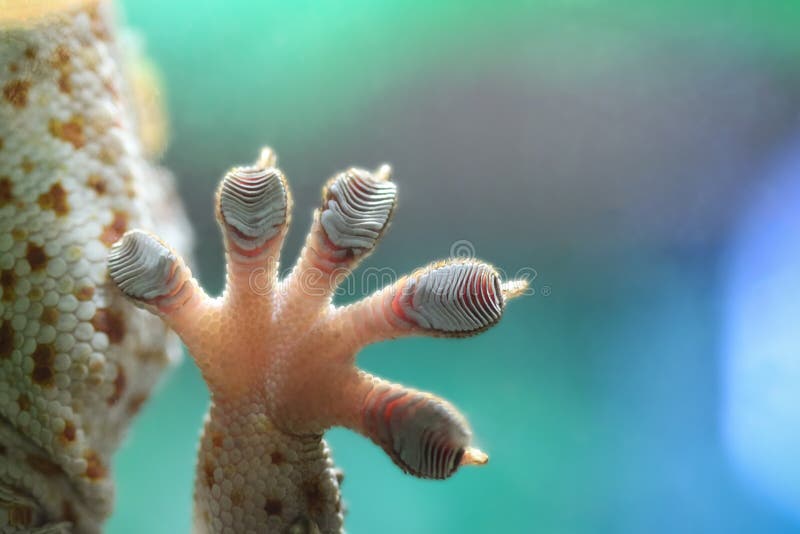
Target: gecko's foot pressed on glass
[279, 357]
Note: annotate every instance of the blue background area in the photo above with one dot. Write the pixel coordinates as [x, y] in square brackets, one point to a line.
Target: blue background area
[762, 342]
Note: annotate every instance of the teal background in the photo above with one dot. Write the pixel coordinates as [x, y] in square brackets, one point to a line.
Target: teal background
[608, 146]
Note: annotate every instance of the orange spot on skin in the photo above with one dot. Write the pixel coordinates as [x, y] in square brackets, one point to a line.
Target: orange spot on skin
[19, 234]
[36, 293]
[60, 57]
[106, 156]
[216, 439]
[36, 257]
[273, 507]
[84, 293]
[111, 89]
[50, 315]
[6, 193]
[30, 53]
[27, 165]
[114, 230]
[97, 183]
[315, 500]
[70, 131]
[55, 199]
[64, 83]
[23, 402]
[60, 60]
[135, 403]
[95, 469]
[119, 386]
[150, 356]
[16, 92]
[208, 471]
[69, 432]
[277, 458]
[6, 339]
[68, 513]
[237, 497]
[13, 68]
[8, 279]
[20, 516]
[98, 24]
[42, 465]
[110, 322]
[43, 357]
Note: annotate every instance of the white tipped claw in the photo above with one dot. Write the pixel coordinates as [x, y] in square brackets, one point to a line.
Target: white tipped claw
[383, 173]
[514, 288]
[267, 158]
[474, 456]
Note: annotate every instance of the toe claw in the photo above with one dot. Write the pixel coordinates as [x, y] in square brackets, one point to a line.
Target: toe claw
[383, 173]
[514, 288]
[267, 158]
[474, 456]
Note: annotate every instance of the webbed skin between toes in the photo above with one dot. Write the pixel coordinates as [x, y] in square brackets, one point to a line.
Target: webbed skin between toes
[279, 359]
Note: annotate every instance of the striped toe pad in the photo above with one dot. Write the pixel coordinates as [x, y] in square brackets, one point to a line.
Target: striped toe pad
[144, 268]
[253, 205]
[422, 434]
[454, 298]
[356, 210]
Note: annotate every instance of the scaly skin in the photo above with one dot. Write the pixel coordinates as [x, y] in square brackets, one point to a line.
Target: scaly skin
[76, 359]
[279, 357]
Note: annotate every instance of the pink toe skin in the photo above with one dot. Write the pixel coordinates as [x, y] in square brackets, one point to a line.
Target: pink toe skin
[357, 207]
[253, 207]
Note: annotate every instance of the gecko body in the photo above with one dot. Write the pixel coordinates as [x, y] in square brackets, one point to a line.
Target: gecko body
[76, 360]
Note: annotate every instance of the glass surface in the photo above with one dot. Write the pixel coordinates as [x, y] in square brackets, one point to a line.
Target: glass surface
[614, 150]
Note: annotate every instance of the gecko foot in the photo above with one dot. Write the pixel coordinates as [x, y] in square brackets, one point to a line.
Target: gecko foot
[279, 357]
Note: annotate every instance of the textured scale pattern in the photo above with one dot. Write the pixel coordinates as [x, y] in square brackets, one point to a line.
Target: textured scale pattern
[279, 356]
[76, 359]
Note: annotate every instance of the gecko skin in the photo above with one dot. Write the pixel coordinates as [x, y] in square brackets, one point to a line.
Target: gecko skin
[76, 359]
[279, 357]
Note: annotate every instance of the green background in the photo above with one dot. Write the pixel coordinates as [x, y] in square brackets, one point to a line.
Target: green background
[607, 146]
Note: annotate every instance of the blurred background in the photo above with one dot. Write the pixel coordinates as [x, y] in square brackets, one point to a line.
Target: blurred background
[636, 160]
